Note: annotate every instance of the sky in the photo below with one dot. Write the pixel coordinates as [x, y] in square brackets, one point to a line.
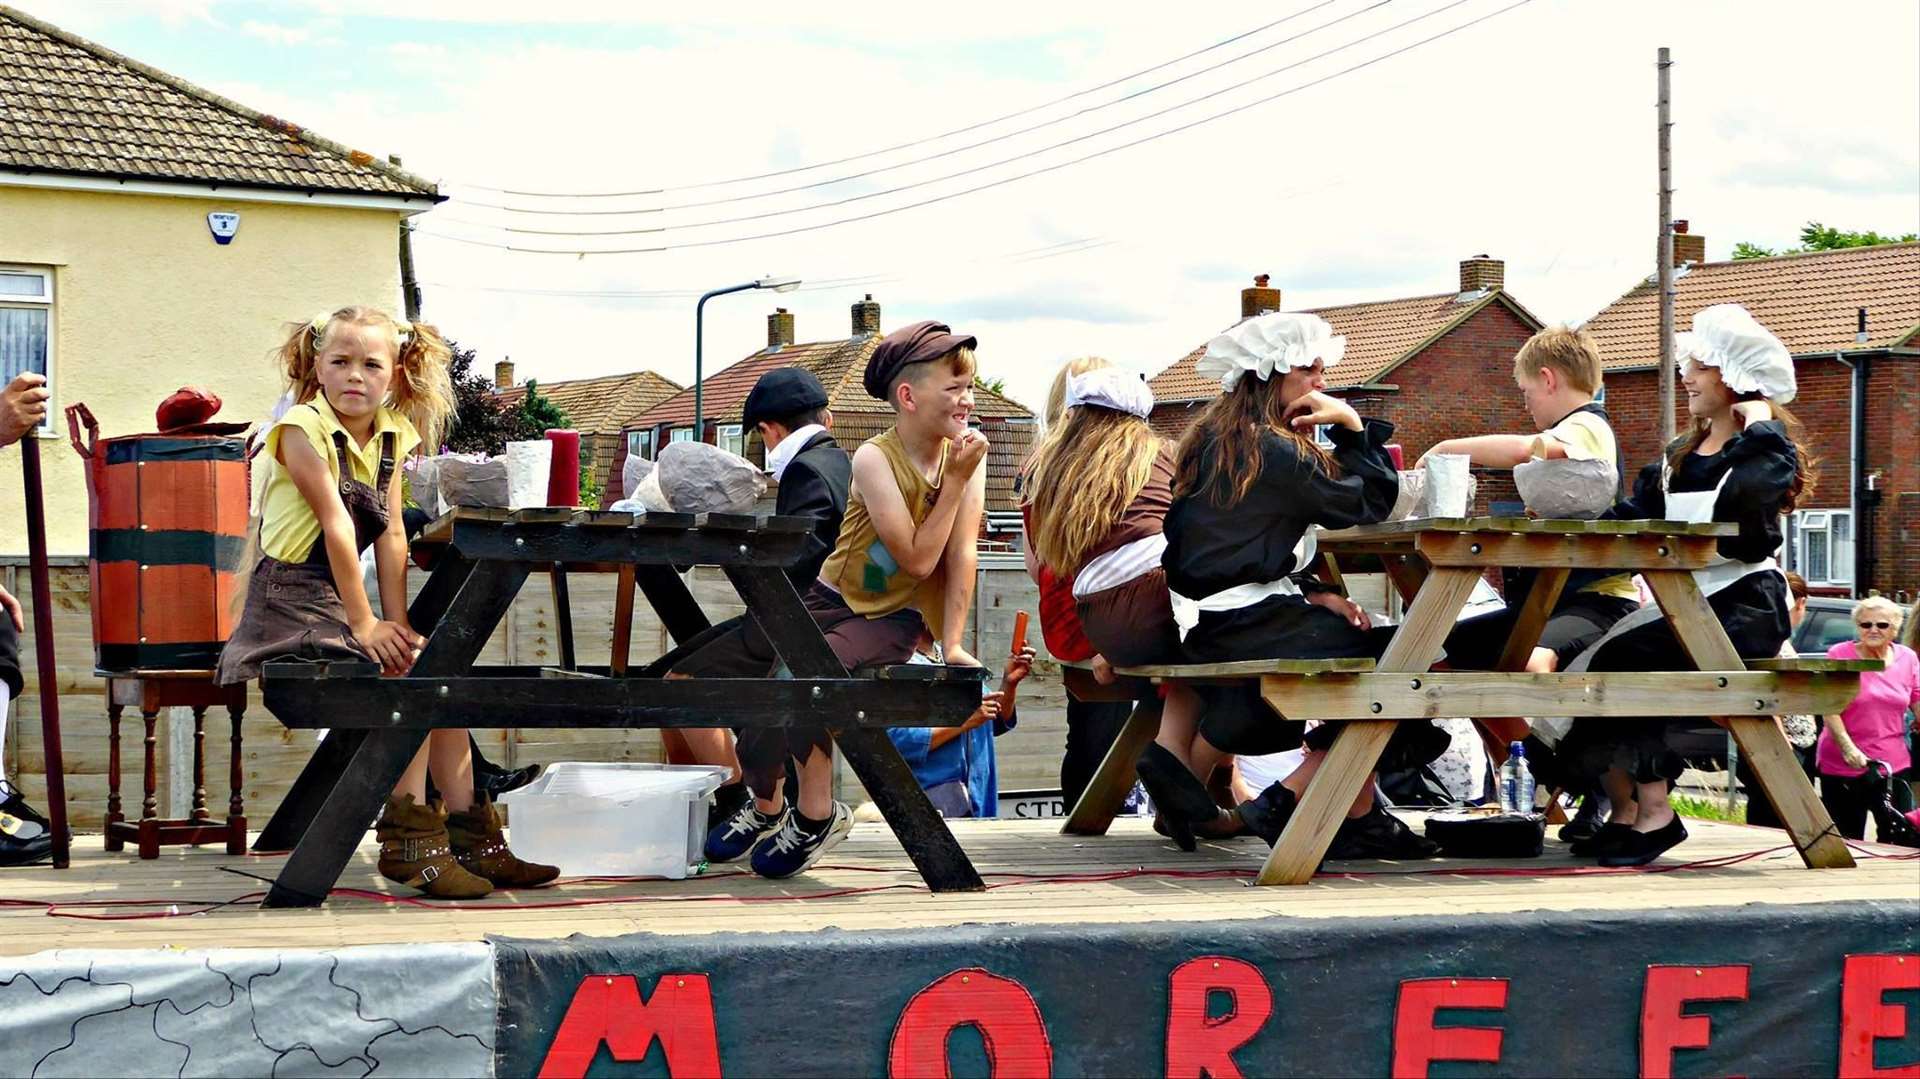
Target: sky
[1319, 153]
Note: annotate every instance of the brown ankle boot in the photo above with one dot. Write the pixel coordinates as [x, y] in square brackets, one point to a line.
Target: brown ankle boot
[415, 851]
[481, 848]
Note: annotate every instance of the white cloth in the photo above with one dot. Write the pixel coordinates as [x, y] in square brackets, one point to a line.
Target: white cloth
[779, 457]
[1266, 343]
[6, 705]
[1750, 359]
[1118, 566]
[1111, 387]
[1186, 612]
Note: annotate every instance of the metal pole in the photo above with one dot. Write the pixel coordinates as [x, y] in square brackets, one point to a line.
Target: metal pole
[699, 327]
[49, 677]
[1665, 251]
[409, 285]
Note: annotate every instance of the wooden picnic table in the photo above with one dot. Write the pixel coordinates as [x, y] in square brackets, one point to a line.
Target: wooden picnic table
[378, 724]
[1435, 564]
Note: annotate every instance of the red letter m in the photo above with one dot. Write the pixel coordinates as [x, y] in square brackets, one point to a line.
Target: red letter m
[607, 1009]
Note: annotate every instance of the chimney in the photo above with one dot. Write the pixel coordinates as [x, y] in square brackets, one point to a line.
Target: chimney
[1687, 248]
[1481, 272]
[866, 317]
[503, 374]
[1259, 299]
[779, 328]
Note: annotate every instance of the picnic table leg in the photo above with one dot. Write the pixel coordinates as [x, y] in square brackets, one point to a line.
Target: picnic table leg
[562, 615]
[622, 621]
[1111, 784]
[353, 800]
[1358, 743]
[1775, 770]
[1531, 621]
[679, 612]
[309, 791]
[774, 604]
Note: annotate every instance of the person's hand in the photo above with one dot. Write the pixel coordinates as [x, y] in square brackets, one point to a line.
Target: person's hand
[1752, 412]
[391, 644]
[23, 406]
[1315, 408]
[1103, 671]
[12, 607]
[960, 657]
[988, 711]
[1853, 756]
[1355, 614]
[968, 451]
[1437, 448]
[1018, 668]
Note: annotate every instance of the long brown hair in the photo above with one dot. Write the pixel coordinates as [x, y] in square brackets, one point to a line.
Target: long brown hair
[1224, 442]
[1085, 472]
[1806, 471]
[422, 390]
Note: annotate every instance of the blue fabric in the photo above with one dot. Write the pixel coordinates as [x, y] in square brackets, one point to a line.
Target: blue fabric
[968, 758]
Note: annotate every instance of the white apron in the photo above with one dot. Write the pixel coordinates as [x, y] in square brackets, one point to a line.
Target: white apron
[1186, 612]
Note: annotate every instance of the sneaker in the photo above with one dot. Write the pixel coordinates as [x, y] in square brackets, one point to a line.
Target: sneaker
[792, 849]
[741, 832]
[727, 801]
[25, 836]
[497, 781]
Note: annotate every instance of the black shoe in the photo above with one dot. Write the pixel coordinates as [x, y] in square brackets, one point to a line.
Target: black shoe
[1603, 841]
[1380, 834]
[1267, 814]
[1184, 804]
[727, 801]
[26, 837]
[495, 782]
[1643, 847]
[1586, 821]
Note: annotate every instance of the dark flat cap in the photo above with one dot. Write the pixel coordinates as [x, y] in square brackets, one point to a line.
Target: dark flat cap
[918, 343]
[783, 392]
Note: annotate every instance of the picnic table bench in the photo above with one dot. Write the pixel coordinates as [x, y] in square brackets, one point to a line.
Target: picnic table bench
[378, 724]
[1435, 563]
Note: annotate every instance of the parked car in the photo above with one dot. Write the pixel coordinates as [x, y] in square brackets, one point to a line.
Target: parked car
[1829, 621]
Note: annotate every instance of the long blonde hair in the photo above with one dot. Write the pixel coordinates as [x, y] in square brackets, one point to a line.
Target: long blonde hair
[422, 389]
[1090, 464]
[1224, 442]
[1806, 468]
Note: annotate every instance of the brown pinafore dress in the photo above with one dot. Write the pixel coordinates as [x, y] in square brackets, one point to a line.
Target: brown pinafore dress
[293, 609]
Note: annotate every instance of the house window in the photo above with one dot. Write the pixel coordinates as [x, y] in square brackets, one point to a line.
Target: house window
[26, 324]
[640, 443]
[1600, 395]
[1822, 547]
[1320, 436]
[680, 434]
[731, 440]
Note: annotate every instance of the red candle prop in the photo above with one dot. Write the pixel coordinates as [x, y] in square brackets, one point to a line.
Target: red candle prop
[563, 480]
[1393, 451]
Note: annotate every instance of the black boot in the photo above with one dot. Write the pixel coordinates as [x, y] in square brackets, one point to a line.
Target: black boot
[1267, 814]
[1379, 834]
[1184, 804]
[26, 837]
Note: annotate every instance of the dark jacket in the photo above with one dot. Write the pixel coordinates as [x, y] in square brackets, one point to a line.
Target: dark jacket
[815, 485]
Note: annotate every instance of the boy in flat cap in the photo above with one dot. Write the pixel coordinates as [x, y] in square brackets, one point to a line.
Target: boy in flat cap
[788, 406]
[912, 516]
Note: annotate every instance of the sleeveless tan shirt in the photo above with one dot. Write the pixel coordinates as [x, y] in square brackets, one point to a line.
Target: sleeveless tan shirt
[861, 568]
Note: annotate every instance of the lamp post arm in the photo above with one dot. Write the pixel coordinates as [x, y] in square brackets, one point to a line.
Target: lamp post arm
[699, 328]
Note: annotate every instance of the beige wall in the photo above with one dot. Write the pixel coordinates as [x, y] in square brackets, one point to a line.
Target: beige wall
[145, 302]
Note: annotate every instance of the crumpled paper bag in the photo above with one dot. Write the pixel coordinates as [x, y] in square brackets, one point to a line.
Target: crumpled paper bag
[528, 467]
[1567, 488]
[1412, 499]
[472, 479]
[697, 478]
[635, 469]
[423, 477]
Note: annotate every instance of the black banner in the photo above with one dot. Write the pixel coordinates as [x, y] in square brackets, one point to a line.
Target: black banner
[1806, 990]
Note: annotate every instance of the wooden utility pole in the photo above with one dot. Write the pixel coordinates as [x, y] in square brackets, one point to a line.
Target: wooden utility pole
[409, 285]
[1665, 250]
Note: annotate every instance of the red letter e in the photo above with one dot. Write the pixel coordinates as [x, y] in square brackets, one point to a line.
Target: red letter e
[1417, 1043]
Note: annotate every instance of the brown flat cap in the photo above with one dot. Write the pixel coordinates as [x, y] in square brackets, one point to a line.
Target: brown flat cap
[918, 343]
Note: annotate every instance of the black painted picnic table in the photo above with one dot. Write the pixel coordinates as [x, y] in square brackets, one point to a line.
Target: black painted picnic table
[377, 724]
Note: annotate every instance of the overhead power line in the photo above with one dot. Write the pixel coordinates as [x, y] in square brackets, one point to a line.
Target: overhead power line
[797, 230]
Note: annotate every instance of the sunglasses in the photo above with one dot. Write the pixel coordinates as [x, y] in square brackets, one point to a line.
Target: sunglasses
[1874, 625]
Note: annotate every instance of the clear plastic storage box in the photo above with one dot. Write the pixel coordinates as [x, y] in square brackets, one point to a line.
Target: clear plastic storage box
[615, 820]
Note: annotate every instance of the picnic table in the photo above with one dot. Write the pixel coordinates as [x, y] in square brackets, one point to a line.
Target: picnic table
[1435, 563]
[377, 724]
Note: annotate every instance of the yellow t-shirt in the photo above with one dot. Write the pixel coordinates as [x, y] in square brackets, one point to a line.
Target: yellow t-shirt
[287, 524]
[1586, 437]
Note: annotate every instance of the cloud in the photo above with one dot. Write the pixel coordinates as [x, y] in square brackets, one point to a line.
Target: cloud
[276, 33]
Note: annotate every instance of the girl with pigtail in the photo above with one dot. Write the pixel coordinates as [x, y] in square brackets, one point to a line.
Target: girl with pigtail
[367, 389]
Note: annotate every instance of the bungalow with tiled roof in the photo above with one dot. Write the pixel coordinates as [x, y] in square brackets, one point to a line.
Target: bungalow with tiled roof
[838, 363]
[1436, 366]
[157, 234]
[601, 409]
[1852, 320]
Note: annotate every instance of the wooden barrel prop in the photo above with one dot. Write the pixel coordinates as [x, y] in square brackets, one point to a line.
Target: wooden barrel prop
[167, 521]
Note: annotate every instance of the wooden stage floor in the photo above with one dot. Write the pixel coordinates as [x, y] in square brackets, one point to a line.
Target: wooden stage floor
[1035, 876]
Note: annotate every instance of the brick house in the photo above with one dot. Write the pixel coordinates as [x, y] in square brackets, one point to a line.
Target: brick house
[1436, 366]
[599, 408]
[839, 364]
[1852, 320]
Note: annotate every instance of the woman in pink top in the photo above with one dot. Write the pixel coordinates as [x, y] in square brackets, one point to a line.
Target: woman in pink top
[1874, 726]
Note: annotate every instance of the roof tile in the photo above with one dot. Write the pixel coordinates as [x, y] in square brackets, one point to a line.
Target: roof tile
[603, 405]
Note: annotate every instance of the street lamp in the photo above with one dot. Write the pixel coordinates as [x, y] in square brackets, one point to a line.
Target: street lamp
[777, 284]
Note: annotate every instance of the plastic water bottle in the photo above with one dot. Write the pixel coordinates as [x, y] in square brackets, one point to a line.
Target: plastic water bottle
[1516, 781]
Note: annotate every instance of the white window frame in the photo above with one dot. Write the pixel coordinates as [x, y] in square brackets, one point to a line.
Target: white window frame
[44, 301]
[679, 434]
[731, 437]
[1810, 526]
[640, 443]
[1320, 436]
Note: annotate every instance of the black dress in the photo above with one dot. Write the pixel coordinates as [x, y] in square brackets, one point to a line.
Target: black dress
[1758, 465]
[1211, 548]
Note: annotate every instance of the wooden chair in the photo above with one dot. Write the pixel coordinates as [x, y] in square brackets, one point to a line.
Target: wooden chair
[150, 691]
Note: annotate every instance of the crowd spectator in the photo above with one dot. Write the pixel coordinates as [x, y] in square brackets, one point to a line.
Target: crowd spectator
[1874, 727]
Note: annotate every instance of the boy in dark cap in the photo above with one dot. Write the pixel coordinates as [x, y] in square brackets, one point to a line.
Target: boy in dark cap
[788, 406]
[912, 516]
